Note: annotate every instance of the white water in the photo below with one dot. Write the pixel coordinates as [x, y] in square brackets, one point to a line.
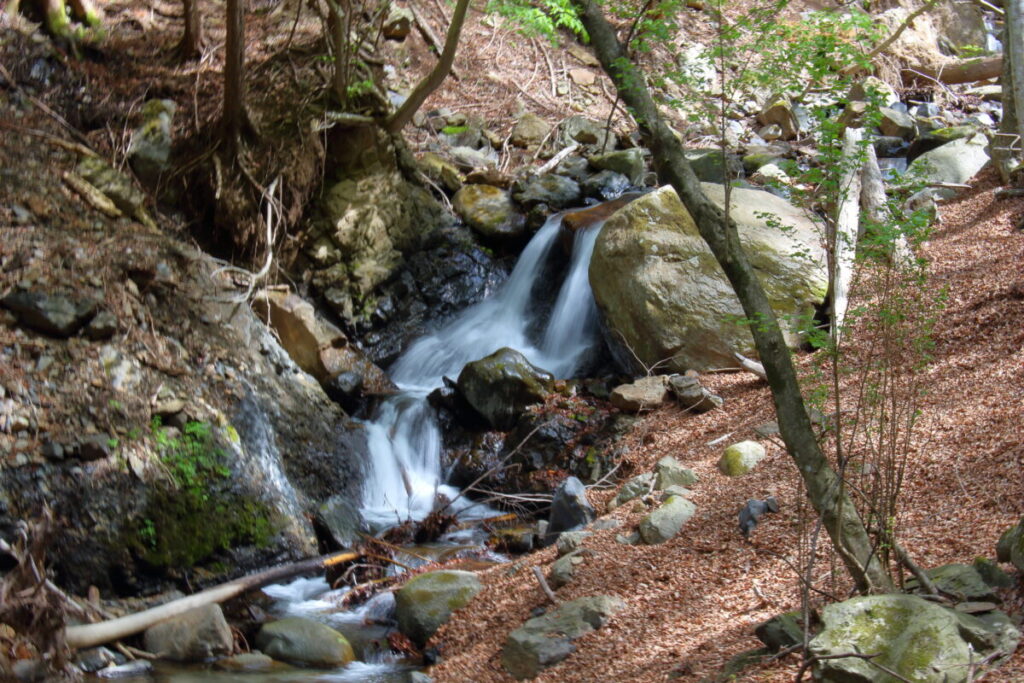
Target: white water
[404, 438]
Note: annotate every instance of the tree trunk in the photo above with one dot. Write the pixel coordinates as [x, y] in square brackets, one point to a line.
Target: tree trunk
[404, 114]
[837, 512]
[191, 45]
[843, 235]
[958, 71]
[1007, 146]
[234, 75]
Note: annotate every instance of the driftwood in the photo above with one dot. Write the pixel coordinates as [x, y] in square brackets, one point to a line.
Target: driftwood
[90, 635]
[750, 365]
[955, 71]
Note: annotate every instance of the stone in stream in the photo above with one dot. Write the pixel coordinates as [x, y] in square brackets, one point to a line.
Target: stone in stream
[194, 636]
[604, 185]
[667, 520]
[740, 458]
[570, 510]
[304, 641]
[547, 640]
[502, 385]
[628, 162]
[555, 191]
[427, 601]
[248, 662]
[917, 639]
[489, 211]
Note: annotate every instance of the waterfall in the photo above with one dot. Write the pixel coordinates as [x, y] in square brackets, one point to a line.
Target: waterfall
[403, 435]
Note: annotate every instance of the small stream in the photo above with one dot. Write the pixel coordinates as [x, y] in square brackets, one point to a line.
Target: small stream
[405, 444]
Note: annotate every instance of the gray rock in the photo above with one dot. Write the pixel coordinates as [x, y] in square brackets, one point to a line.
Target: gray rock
[667, 520]
[691, 395]
[710, 167]
[547, 640]
[570, 509]
[917, 639]
[628, 162]
[92, 447]
[960, 580]
[490, 212]
[751, 513]
[247, 662]
[584, 131]
[991, 573]
[194, 636]
[954, 162]
[341, 517]
[304, 641]
[52, 314]
[102, 326]
[150, 150]
[501, 386]
[675, 490]
[554, 191]
[116, 186]
[96, 658]
[740, 458]
[529, 130]
[427, 601]
[664, 296]
[781, 632]
[570, 541]
[563, 568]
[647, 393]
[778, 111]
[637, 486]
[467, 158]
[896, 123]
[1011, 546]
[670, 472]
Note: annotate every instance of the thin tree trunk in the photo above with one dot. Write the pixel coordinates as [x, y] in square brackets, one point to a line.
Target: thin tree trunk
[191, 45]
[1013, 86]
[404, 114]
[823, 486]
[843, 235]
[234, 75]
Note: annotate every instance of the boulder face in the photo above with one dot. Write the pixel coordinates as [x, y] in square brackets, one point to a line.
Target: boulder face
[663, 294]
[490, 212]
[428, 600]
[502, 385]
[194, 636]
[917, 639]
[304, 641]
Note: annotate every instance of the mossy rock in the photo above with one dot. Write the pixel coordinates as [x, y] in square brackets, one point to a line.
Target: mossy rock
[501, 386]
[304, 641]
[740, 458]
[428, 600]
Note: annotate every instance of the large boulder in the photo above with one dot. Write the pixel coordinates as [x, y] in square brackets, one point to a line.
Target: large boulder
[547, 640]
[664, 296]
[194, 636]
[490, 212]
[428, 600]
[304, 641]
[502, 385]
[917, 639]
[954, 162]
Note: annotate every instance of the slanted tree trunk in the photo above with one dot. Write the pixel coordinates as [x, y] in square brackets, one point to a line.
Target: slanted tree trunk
[191, 45]
[234, 118]
[404, 114]
[836, 510]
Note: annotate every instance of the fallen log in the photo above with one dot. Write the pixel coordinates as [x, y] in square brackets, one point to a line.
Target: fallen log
[955, 71]
[90, 635]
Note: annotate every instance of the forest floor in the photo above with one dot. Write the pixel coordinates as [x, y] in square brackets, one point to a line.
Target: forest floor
[691, 603]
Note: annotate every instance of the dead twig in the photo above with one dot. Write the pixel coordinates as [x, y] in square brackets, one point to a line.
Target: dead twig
[544, 587]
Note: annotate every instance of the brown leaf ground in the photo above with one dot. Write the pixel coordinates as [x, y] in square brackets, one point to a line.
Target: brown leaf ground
[692, 603]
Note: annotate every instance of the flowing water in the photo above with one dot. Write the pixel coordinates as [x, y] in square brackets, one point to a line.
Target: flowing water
[404, 438]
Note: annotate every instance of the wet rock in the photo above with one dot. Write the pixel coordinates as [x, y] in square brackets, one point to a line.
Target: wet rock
[605, 185]
[490, 212]
[691, 395]
[570, 509]
[667, 520]
[304, 641]
[150, 150]
[628, 162]
[670, 472]
[547, 640]
[502, 385]
[248, 662]
[575, 167]
[52, 314]
[887, 146]
[96, 658]
[340, 517]
[647, 393]
[913, 637]
[530, 130]
[665, 298]
[427, 601]
[138, 668]
[442, 172]
[740, 458]
[634, 488]
[554, 191]
[194, 636]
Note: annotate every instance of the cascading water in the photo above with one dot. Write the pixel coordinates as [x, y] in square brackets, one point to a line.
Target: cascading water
[404, 438]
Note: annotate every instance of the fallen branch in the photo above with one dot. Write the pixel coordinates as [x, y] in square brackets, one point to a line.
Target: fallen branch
[428, 35]
[750, 365]
[956, 71]
[544, 587]
[90, 635]
[553, 161]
